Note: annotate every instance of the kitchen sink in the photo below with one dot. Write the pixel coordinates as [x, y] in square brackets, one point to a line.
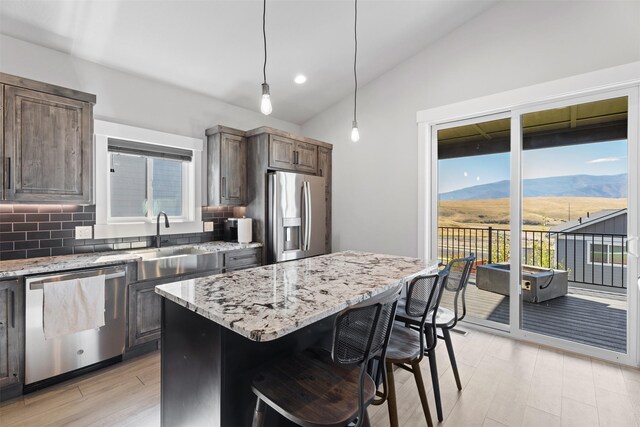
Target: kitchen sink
[173, 261]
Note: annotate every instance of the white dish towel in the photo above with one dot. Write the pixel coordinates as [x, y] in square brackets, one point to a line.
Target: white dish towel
[72, 306]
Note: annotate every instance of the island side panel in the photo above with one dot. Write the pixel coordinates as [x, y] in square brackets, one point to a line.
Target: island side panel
[207, 369]
[191, 368]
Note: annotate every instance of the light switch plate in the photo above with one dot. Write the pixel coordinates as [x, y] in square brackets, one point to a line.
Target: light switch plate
[208, 226]
[84, 232]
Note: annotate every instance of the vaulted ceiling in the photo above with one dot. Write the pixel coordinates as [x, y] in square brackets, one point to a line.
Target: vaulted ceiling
[215, 47]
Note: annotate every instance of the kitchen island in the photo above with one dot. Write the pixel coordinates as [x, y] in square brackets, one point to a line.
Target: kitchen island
[217, 330]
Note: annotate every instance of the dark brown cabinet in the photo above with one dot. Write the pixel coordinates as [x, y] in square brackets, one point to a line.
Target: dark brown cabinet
[226, 167]
[47, 143]
[281, 153]
[241, 259]
[144, 313]
[11, 335]
[289, 154]
[145, 305]
[306, 157]
[324, 170]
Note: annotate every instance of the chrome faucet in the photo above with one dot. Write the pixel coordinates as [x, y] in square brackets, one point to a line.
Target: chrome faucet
[166, 225]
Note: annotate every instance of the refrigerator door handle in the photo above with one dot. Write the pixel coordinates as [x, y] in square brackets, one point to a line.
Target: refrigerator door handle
[307, 215]
[305, 212]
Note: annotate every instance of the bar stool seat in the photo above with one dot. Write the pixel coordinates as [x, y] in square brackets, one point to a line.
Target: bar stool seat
[310, 390]
[404, 345]
[444, 318]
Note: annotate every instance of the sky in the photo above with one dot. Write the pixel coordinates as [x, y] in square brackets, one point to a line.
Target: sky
[603, 158]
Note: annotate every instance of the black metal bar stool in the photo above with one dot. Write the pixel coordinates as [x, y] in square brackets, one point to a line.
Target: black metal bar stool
[318, 388]
[407, 345]
[445, 319]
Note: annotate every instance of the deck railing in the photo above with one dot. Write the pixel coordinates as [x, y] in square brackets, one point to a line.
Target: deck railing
[589, 258]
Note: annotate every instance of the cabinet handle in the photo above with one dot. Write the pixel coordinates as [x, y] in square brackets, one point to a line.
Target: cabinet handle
[8, 172]
[224, 187]
[13, 308]
[239, 257]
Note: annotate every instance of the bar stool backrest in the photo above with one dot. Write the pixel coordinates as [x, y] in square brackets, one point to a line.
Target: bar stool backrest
[423, 299]
[459, 272]
[361, 333]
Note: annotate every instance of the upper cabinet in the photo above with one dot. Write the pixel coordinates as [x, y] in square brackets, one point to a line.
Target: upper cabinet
[235, 158]
[47, 142]
[294, 155]
[226, 167]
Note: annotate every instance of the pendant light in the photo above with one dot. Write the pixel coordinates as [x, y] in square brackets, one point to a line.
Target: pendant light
[355, 134]
[265, 104]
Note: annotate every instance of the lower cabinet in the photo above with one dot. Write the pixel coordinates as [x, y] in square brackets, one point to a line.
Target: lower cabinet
[145, 306]
[12, 318]
[144, 313]
[241, 259]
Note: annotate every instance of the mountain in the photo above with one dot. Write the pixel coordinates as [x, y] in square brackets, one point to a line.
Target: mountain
[610, 186]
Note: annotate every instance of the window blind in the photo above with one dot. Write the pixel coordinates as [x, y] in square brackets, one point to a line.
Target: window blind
[148, 150]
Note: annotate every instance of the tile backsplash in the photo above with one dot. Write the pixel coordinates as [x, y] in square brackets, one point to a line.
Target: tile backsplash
[30, 231]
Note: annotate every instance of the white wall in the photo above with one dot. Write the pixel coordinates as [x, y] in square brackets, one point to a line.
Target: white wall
[128, 99]
[512, 45]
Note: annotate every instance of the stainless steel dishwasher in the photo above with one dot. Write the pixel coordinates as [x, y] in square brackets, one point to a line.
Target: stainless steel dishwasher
[48, 358]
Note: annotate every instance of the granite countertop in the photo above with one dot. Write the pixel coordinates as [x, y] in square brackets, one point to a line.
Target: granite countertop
[24, 267]
[265, 303]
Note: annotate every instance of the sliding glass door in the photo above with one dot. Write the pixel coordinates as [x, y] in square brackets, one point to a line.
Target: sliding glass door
[474, 210]
[576, 281]
[546, 197]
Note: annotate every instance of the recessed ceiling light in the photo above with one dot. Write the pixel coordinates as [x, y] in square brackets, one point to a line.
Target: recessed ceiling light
[300, 78]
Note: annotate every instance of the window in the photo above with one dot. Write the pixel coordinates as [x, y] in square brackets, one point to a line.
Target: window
[140, 173]
[141, 187]
[606, 253]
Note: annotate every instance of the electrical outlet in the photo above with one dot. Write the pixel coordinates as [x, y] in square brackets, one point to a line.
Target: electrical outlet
[84, 232]
[208, 226]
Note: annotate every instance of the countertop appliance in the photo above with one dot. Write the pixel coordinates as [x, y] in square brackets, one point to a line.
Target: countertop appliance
[49, 358]
[296, 216]
[231, 230]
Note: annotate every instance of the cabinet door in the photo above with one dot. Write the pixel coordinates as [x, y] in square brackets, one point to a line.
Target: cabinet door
[281, 153]
[306, 157]
[48, 146]
[233, 170]
[324, 170]
[324, 161]
[144, 313]
[241, 259]
[11, 333]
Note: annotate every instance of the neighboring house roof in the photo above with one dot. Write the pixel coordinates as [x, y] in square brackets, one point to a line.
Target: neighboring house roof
[593, 218]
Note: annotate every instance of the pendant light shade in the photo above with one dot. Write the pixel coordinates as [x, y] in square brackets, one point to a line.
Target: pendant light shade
[355, 133]
[265, 103]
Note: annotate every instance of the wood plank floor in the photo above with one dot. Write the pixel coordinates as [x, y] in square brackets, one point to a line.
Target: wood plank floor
[506, 383]
[589, 317]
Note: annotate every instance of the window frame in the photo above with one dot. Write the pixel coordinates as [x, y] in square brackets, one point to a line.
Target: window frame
[116, 227]
[150, 217]
[609, 253]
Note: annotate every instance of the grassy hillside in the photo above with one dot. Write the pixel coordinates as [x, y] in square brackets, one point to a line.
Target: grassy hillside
[539, 212]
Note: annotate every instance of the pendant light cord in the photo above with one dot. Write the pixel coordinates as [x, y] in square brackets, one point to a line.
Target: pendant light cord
[355, 60]
[264, 38]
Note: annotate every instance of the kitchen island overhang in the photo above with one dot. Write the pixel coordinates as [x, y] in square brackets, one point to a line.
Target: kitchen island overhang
[217, 330]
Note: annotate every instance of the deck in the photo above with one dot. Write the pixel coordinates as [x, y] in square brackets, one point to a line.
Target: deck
[589, 317]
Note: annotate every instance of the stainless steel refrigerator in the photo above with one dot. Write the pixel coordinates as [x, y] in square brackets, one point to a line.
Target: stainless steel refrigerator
[296, 216]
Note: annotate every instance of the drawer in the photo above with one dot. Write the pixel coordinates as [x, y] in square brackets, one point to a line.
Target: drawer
[242, 258]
